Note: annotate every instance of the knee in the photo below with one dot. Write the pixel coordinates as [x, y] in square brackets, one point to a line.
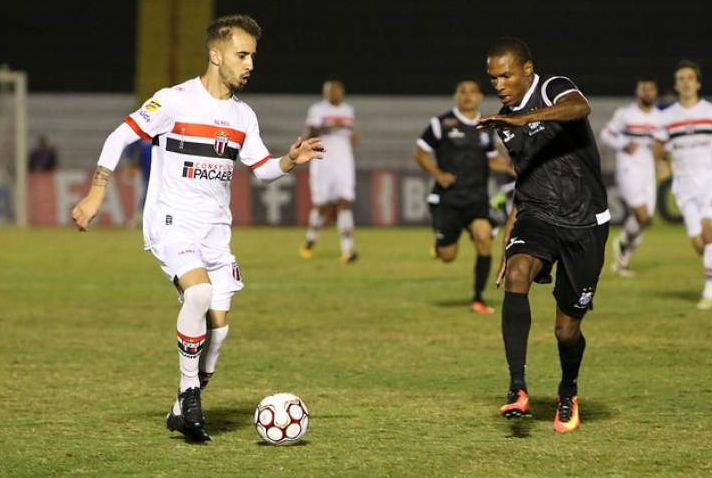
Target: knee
[198, 297]
[447, 255]
[517, 277]
[567, 333]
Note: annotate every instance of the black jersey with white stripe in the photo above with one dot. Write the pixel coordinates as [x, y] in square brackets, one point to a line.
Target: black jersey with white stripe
[557, 162]
[460, 149]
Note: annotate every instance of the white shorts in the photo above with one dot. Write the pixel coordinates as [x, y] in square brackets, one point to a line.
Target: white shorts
[637, 184]
[693, 195]
[329, 183]
[185, 245]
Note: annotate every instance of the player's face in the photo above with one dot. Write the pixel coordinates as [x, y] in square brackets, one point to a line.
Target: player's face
[235, 59]
[467, 96]
[647, 92]
[686, 83]
[510, 78]
[334, 92]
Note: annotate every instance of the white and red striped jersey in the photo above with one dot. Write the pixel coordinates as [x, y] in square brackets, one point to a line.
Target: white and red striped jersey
[630, 124]
[198, 139]
[687, 133]
[335, 125]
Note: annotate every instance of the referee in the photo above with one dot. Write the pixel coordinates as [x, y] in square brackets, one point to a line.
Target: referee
[463, 157]
[560, 215]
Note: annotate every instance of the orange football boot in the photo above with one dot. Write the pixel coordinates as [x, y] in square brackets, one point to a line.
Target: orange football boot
[517, 405]
[567, 414]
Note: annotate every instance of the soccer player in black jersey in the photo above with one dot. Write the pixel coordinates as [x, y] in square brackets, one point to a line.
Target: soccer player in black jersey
[459, 200]
[560, 215]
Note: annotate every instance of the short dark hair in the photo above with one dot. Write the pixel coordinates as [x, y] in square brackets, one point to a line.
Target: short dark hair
[221, 28]
[468, 79]
[333, 77]
[692, 65]
[647, 79]
[512, 45]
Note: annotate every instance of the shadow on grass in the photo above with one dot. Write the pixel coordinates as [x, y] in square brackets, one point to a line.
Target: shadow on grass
[227, 419]
[299, 443]
[453, 303]
[691, 296]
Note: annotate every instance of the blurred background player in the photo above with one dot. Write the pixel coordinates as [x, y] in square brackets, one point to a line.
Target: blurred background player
[332, 182]
[201, 128]
[459, 199]
[630, 133]
[560, 216]
[686, 131]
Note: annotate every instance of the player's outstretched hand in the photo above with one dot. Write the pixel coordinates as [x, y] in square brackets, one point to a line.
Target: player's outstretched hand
[500, 274]
[84, 212]
[303, 151]
[501, 121]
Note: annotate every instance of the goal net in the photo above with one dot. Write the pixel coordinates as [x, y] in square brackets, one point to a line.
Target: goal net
[13, 147]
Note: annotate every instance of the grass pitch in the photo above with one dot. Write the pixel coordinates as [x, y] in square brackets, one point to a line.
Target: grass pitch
[401, 379]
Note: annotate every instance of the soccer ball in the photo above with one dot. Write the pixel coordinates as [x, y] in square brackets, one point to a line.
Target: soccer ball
[281, 419]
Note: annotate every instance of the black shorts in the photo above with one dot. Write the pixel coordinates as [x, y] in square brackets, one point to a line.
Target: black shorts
[580, 253]
[449, 221]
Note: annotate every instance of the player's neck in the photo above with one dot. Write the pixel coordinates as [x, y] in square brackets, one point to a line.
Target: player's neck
[690, 101]
[645, 108]
[215, 86]
[470, 114]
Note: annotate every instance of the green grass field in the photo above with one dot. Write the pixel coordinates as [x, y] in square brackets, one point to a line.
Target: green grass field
[401, 379]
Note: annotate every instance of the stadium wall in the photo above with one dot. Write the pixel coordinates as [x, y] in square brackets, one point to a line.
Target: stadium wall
[391, 188]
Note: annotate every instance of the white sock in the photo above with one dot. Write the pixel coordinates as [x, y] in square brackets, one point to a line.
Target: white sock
[209, 357]
[316, 220]
[631, 231]
[707, 261]
[191, 332]
[345, 226]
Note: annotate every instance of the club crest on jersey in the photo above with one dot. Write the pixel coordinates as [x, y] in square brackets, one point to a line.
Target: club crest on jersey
[221, 140]
[455, 134]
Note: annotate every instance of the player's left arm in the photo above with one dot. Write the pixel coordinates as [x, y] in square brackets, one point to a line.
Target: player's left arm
[502, 164]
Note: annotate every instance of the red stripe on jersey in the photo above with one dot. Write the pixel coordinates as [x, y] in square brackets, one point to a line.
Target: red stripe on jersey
[688, 122]
[137, 129]
[338, 119]
[208, 131]
[647, 127]
[192, 340]
[261, 162]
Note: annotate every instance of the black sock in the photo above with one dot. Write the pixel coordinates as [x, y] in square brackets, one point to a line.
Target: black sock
[482, 270]
[516, 321]
[570, 356]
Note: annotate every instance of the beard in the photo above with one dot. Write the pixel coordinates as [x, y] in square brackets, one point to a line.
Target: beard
[647, 102]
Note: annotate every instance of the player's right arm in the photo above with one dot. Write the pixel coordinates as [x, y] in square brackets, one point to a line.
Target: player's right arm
[425, 147]
[505, 240]
[612, 134]
[153, 118]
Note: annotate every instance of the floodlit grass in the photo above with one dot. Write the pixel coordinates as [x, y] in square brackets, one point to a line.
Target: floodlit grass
[401, 379]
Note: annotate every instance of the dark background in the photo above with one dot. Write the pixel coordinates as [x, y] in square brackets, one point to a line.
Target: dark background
[378, 47]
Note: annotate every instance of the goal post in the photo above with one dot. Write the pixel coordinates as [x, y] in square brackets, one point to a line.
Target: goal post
[13, 158]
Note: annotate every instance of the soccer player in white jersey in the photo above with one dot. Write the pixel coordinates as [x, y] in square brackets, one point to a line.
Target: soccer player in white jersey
[199, 129]
[630, 133]
[332, 182]
[686, 131]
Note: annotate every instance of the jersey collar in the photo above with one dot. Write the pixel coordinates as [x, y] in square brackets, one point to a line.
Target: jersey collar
[464, 119]
[529, 94]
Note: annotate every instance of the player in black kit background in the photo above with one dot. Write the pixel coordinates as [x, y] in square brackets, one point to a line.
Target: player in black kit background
[560, 215]
[463, 157]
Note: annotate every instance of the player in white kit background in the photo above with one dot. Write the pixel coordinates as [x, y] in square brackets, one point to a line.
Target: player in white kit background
[630, 133]
[199, 129]
[686, 132]
[332, 182]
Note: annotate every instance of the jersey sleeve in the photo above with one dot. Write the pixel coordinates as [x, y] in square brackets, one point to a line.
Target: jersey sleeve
[491, 147]
[313, 117]
[556, 87]
[253, 152]
[612, 133]
[155, 117]
[430, 139]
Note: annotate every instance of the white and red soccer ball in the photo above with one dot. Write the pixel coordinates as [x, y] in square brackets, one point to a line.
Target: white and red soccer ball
[281, 419]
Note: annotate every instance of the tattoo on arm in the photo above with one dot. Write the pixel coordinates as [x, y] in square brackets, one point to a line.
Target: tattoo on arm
[101, 176]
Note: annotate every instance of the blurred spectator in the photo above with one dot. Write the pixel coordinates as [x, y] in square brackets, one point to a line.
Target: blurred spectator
[43, 157]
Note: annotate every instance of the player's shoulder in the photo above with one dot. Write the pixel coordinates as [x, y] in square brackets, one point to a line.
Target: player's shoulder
[706, 105]
[446, 116]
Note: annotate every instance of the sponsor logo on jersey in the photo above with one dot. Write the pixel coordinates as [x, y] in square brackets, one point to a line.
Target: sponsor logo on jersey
[455, 134]
[508, 135]
[152, 106]
[535, 127]
[221, 140]
[209, 171]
